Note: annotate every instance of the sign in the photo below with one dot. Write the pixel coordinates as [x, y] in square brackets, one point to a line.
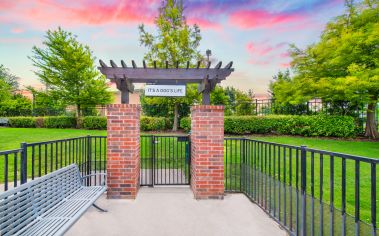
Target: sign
[165, 90]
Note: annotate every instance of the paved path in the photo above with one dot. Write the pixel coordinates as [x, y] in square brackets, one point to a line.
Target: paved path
[166, 211]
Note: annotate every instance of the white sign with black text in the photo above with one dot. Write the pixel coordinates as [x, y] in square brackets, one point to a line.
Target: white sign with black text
[165, 90]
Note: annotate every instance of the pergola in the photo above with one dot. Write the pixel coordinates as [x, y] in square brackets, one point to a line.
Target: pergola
[125, 76]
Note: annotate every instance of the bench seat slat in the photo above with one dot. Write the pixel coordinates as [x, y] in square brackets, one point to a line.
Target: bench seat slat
[86, 193]
[44, 227]
[67, 209]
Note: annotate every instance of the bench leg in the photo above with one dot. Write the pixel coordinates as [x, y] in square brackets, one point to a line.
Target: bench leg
[99, 208]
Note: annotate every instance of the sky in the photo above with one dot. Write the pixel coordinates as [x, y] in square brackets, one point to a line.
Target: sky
[254, 34]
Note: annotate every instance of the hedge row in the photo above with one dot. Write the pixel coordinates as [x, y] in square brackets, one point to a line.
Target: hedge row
[318, 125]
[88, 122]
[42, 122]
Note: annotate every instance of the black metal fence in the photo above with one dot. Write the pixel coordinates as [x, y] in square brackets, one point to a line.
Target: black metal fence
[308, 191]
[263, 107]
[33, 160]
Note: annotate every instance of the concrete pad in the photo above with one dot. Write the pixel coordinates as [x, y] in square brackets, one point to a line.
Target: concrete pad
[173, 211]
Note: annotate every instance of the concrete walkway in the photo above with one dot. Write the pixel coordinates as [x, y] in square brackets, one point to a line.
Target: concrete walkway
[170, 211]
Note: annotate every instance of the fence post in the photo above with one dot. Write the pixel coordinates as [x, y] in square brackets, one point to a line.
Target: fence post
[256, 106]
[23, 164]
[89, 157]
[242, 164]
[303, 170]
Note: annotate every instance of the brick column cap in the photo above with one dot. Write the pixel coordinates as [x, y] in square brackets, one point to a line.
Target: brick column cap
[207, 107]
[138, 106]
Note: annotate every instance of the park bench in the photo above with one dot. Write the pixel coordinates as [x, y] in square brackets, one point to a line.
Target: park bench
[48, 205]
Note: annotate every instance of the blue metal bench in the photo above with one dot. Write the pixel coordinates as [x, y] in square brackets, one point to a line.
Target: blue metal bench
[49, 205]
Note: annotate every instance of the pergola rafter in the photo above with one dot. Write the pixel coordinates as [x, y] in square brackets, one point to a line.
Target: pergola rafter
[125, 76]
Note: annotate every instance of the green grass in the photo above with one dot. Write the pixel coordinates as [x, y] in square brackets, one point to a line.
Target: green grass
[354, 147]
[10, 138]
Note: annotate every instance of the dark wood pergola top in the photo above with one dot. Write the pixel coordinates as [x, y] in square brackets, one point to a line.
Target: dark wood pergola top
[166, 75]
[125, 76]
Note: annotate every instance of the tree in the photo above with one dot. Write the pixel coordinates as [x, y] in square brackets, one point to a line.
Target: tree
[8, 83]
[239, 102]
[175, 42]
[9, 78]
[68, 69]
[343, 65]
[11, 103]
[16, 105]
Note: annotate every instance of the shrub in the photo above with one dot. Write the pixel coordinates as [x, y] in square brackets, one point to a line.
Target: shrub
[185, 123]
[147, 123]
[317, 125]
[93, 122]
[59, 122]
[155, 123]
[22, 122]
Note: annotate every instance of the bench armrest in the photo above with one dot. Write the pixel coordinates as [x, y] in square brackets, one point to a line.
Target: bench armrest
[96, 174]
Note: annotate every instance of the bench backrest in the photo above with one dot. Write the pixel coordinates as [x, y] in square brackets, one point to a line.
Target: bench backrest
[23, 204]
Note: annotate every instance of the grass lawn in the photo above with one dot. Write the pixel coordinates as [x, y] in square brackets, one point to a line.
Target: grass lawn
[10, 138]
[354, 147]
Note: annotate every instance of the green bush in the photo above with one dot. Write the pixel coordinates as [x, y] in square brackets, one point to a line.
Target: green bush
[93, 122]
[185, 123]
[59, 122]
[155, 123]
[22, 122]
[88, 122]
[317, 125]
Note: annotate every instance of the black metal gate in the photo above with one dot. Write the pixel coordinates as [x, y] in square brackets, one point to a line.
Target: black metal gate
[165, 160]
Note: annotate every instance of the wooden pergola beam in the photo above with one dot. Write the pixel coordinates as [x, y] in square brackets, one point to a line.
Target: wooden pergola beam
[151, 75]
[124, 76]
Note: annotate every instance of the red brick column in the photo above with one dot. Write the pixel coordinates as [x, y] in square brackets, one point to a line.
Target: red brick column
[207, 151]
[123, 163]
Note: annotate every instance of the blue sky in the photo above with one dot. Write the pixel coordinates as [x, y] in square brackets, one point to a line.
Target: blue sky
[254, 34]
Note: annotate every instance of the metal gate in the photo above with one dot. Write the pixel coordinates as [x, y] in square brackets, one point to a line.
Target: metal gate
[165, 160]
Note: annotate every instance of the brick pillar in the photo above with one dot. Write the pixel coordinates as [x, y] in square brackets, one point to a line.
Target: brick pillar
[207, 151]
[123, 163]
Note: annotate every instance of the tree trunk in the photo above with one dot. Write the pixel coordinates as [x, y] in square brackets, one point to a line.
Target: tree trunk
[371, 126]
[175, 125]
[78, 110]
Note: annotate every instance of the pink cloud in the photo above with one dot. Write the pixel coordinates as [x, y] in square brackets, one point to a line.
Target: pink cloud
[284, 55]
[251, 19]
[285, 65]
[263, 49]
[250, 47]
[262, 53]
[42, 14]
[204, 23]
[17, 30]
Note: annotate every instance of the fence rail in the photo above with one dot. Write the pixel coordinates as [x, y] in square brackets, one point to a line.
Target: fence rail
[308, 191]
[33, 160]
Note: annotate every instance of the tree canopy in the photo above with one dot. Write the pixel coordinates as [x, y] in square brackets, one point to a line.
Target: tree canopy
[174, 42]
[11, 103]
[343, 65]
[68, 70]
